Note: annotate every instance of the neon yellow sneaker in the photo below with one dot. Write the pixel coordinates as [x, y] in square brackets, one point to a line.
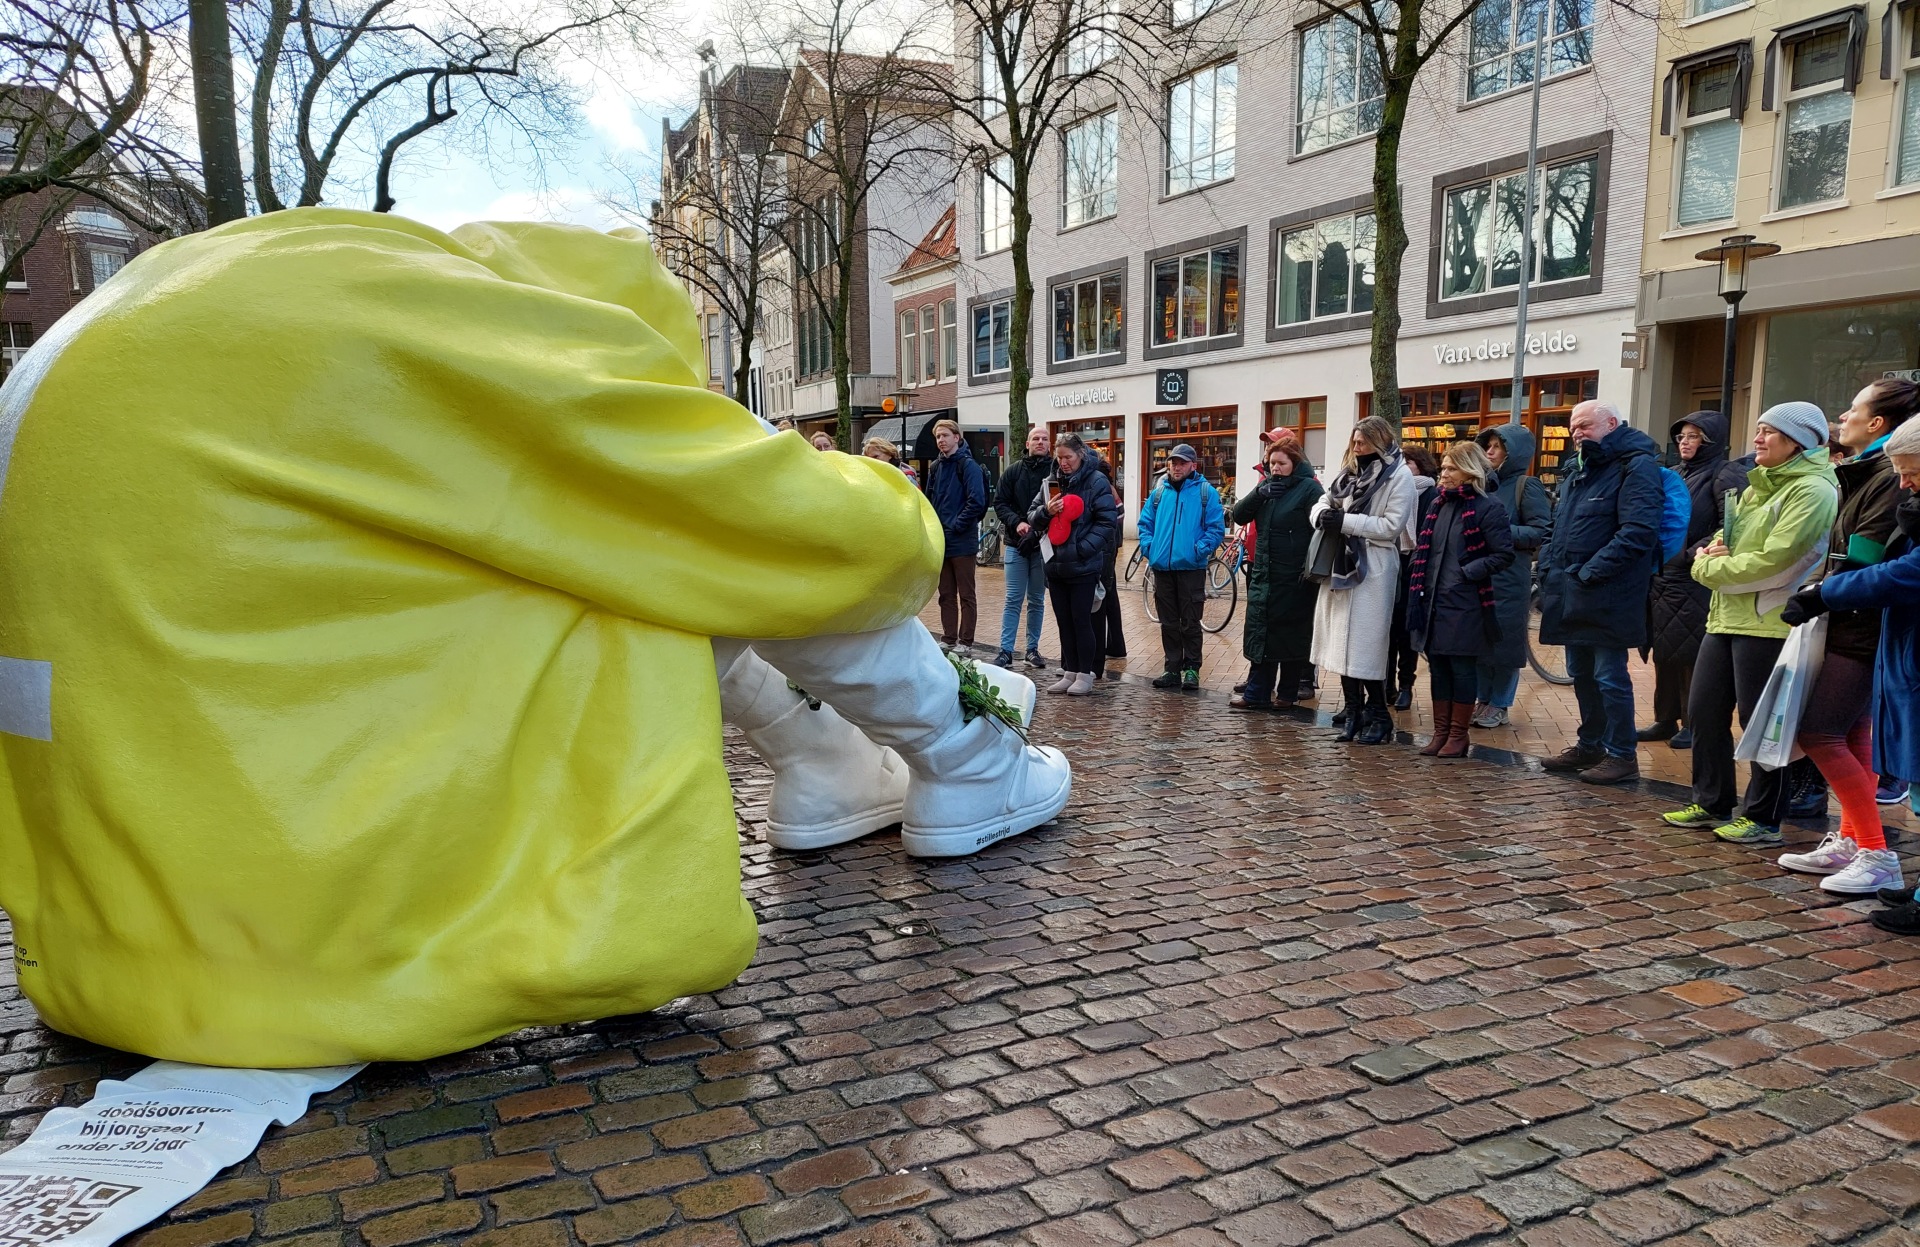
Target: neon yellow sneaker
[1695, 815]
[1744, 830]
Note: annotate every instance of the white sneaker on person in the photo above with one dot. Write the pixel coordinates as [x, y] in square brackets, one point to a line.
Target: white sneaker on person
[1833, 853]
[1868, 872]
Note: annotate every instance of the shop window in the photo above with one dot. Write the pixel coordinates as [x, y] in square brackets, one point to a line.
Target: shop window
[949, 359]
[18, 336]
[996, 206]
[1213, 432]
[1825, 356]
[992, 337]
[1087, 317]
[1709, 144]
[1818, 122]
[1436, 418]
[1105, 434]
[1197, 295]
[1501, 35]
[1906, 152]
[1482, 229]
[1092, 164]
[1326, 269]
[1340, 91]
[1307, 417]
[1200, 128]
[929, 345]
[909, 347]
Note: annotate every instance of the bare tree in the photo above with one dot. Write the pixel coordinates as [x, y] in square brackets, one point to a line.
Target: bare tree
[1026, 69]
[339, 87]
[87, 97]
[721, 199]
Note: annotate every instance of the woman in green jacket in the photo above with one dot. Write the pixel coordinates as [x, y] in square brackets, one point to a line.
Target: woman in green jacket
[1774, 536]
[1279, 601]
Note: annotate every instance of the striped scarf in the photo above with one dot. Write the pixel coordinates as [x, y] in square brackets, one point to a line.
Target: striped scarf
[1473, 541]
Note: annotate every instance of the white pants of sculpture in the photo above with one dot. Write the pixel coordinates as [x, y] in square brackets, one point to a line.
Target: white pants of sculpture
[888, 744]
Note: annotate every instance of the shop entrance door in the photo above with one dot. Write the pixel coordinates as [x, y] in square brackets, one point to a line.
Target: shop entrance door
[1214, 434]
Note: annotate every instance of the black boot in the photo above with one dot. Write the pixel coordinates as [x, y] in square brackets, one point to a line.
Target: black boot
[1348, 721]
[1378, 728]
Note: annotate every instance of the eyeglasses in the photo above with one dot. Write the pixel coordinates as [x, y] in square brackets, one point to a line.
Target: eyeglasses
[1690, 437]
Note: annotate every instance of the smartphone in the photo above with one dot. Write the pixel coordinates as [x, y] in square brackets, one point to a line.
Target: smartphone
[1053, 491]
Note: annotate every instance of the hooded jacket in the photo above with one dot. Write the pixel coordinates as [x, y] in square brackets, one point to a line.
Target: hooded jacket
[1781, 517]
[1181, 524]
[1606, 539]
[958, 490]
[378, 714]
[1677, 604]
[1530, 516]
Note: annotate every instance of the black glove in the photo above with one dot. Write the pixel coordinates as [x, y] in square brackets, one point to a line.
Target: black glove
[1267, 488]
[1802, 606]
[1331, 519]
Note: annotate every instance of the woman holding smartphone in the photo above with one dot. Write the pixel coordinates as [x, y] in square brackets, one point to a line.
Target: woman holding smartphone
[1080, 518]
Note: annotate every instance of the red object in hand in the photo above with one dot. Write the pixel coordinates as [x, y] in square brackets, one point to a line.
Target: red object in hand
[1072, 507]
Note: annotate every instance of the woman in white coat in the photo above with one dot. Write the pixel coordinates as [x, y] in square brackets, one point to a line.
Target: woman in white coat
[1369, 510]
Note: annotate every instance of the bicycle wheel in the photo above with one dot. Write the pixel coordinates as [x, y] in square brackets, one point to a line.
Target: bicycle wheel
[1135, 562]
[1222, 594]
[1146, 591]
[1553, 666]
[989, 548]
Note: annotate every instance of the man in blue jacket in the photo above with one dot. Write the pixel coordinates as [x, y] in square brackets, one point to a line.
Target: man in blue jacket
[958, 490]
[1593, 584]
[1181, 524]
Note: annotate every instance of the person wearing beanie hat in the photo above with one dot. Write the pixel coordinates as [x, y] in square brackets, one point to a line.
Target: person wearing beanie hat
[1772, 540]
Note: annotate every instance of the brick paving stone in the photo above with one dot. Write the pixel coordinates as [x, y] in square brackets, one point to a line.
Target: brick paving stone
[1456, 1219]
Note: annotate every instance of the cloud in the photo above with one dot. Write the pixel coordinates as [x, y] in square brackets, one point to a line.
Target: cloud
[611, 114]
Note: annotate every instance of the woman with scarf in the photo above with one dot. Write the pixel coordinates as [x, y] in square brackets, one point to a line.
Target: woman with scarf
[1403, 658]
[1080, 517]
[1368, 516]
[1837, 725]
[1280, 600]
[1453, 616]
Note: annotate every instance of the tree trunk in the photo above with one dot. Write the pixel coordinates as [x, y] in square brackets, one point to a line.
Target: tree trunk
[1020, 374]
[211, 45]
[842, 333]
[743, 371]
[1389, 216]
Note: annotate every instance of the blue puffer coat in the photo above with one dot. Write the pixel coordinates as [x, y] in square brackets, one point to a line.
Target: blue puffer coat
[958, 490]
[1181, 525]
[1605, 545]
[1894, 587]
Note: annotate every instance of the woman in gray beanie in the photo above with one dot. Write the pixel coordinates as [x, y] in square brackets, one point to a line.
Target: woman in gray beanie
[1773, 538]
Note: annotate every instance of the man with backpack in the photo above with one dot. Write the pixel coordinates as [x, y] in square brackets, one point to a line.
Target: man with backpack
[1593, 588]
[1181, 524]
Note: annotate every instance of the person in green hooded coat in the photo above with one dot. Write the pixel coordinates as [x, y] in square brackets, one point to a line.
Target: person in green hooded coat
[1279, 630]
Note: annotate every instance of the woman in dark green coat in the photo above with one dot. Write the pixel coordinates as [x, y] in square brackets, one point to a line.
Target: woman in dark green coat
[1279, 599]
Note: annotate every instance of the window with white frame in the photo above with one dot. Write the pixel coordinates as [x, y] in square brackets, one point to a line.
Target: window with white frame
[993, 89]
[1200, 127]
[1326, 269]
[1481, 229]
[1340, 90]
[992, 337]
[1196, 295]
[815, 141]
[1709, 139]
[1094, 40]
[909, 347]
[949, 354]
[1906, 150]
[1817, 123]
[1700, 8]
[1092, 170]
[13, 346]
[716, 357]
[929, 345]
[1187, 10]
[1501, 35]
[16, 276]
[996, 206]
[1087, 316]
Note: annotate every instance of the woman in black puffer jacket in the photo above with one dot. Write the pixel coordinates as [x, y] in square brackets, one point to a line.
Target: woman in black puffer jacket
[1081, 520]
[1676, 603]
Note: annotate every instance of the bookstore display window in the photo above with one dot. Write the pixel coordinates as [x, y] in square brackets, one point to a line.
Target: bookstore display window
[1307, 417]
[1108, 436]
[1213, 432]
[1436, 418]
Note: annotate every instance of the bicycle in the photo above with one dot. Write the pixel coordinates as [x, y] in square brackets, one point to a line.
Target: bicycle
[992, 540]
[1221, 594]
[1542, 667]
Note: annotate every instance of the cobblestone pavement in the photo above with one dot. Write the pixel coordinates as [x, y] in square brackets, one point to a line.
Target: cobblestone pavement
[1255, 989]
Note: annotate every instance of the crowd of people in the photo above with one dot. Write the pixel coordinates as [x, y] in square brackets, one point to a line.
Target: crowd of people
[1704, 568]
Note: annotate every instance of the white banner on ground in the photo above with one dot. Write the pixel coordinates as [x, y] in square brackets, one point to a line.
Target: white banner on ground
[94, 1174]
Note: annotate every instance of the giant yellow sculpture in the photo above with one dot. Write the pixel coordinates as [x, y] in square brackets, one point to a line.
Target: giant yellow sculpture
[357, 685]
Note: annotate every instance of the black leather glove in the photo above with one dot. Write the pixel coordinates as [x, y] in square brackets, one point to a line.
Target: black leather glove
[1802, 606]
[1332, 518]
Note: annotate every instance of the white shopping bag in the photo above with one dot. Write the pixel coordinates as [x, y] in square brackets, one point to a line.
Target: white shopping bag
[1768, 739]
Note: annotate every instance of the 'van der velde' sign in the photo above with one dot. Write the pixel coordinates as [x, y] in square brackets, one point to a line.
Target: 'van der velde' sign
[1558, 342]
[1084, 398]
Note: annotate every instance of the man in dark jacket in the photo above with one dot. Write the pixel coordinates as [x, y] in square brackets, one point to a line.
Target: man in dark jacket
[1593, 589]
[958, 490]
[1026, 569]
[1677, 604]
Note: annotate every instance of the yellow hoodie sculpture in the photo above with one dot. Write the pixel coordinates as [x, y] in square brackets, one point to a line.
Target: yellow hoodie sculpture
[356, 581]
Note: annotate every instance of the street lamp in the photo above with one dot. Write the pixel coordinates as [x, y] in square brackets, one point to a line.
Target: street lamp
[1735, 255]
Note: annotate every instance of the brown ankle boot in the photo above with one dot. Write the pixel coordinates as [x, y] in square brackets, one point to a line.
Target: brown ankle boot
[1456, 746]
[1442, 728]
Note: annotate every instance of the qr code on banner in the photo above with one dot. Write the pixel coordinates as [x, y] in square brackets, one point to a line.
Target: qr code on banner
[39, 1208]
